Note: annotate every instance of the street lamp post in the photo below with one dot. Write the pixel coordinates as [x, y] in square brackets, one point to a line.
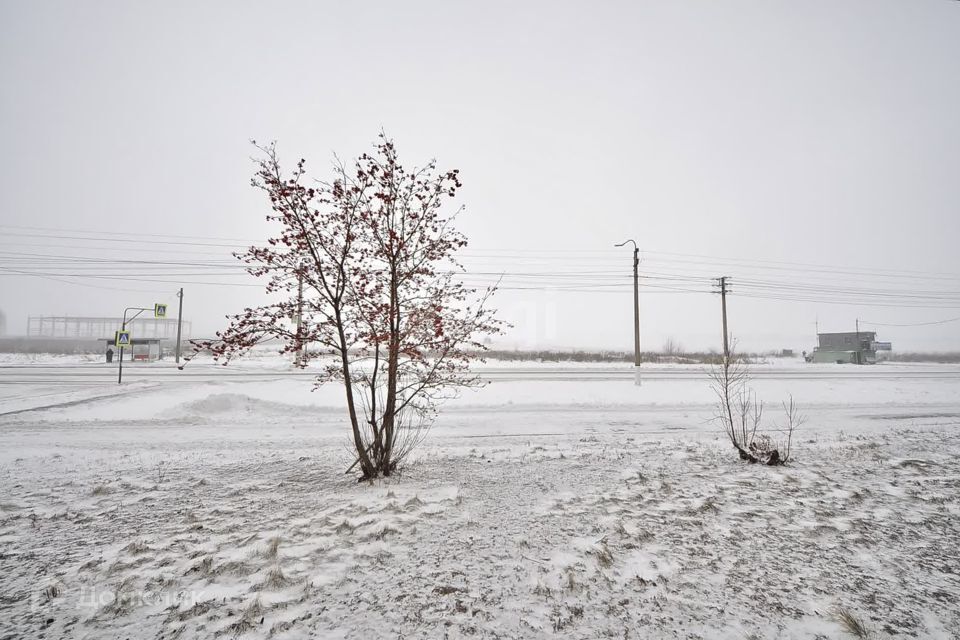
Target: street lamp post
[138, 310]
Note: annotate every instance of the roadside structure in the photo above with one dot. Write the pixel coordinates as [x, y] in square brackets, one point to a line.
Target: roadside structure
[141, 349]
[852, 347]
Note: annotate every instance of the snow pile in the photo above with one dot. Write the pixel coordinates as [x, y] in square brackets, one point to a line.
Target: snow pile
[224, 405]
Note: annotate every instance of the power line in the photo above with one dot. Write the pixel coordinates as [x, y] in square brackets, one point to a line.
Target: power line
[120, 233]
[520, 274]
[127, 240]
[594, 255]
[915, 324]
[813, 266]
[131, 279]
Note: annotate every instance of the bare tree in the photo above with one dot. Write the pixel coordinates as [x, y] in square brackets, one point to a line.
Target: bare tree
[793, 420]
[383, 304]
[672, 348]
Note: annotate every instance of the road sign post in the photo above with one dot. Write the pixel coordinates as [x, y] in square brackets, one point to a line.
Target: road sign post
[159, 311]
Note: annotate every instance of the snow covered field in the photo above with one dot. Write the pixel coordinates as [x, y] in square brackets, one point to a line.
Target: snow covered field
[560, 499]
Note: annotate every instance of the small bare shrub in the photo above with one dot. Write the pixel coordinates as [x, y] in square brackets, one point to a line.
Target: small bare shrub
[740, 413]
[52, 590]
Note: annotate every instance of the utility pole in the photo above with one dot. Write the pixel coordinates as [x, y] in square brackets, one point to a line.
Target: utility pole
[179, 321]
[636, 305]
[858, 341]
[723, 304]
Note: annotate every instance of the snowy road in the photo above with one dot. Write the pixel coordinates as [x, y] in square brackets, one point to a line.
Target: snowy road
[97, 372]
[550, 387]
[888, 389]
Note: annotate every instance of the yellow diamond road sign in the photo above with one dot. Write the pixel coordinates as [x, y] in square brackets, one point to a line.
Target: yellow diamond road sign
[159, 310]
[122, 339]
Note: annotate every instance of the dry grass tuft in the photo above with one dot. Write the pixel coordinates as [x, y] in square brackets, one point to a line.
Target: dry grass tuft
[447, 589]
[709, 504]
[603, 555]
[137, 547]
[123, 599]
[251, 618]
[344, 528]
[644, 536]
[89, 565]
[413, 502]
[280, 627]
[272, 548]
[198, 609]
[383, 533]
[275, 579]
[204, 567]
[851, 623]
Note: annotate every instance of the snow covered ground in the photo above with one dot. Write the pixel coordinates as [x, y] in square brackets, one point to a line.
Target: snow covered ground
[559, 500]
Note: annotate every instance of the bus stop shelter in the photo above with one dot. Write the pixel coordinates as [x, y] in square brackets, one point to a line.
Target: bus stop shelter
[141, 349]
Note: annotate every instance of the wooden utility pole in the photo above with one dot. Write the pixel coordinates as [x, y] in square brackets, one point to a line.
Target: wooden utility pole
[723, 304]
[858, 342]
[179, 321]
[636, 307]
[636, 302]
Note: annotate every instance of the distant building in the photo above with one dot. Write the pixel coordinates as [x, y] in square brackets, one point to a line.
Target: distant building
[102, 328]
[854, 347]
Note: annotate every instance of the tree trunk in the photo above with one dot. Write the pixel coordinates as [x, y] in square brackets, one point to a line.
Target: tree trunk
[388, 425]
[365, 465]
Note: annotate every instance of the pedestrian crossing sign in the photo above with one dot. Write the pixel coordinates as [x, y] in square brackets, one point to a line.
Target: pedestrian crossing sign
[122, 338]
[159, 310]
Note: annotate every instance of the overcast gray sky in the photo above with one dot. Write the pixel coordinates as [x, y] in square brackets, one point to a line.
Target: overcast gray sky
[742, 135]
